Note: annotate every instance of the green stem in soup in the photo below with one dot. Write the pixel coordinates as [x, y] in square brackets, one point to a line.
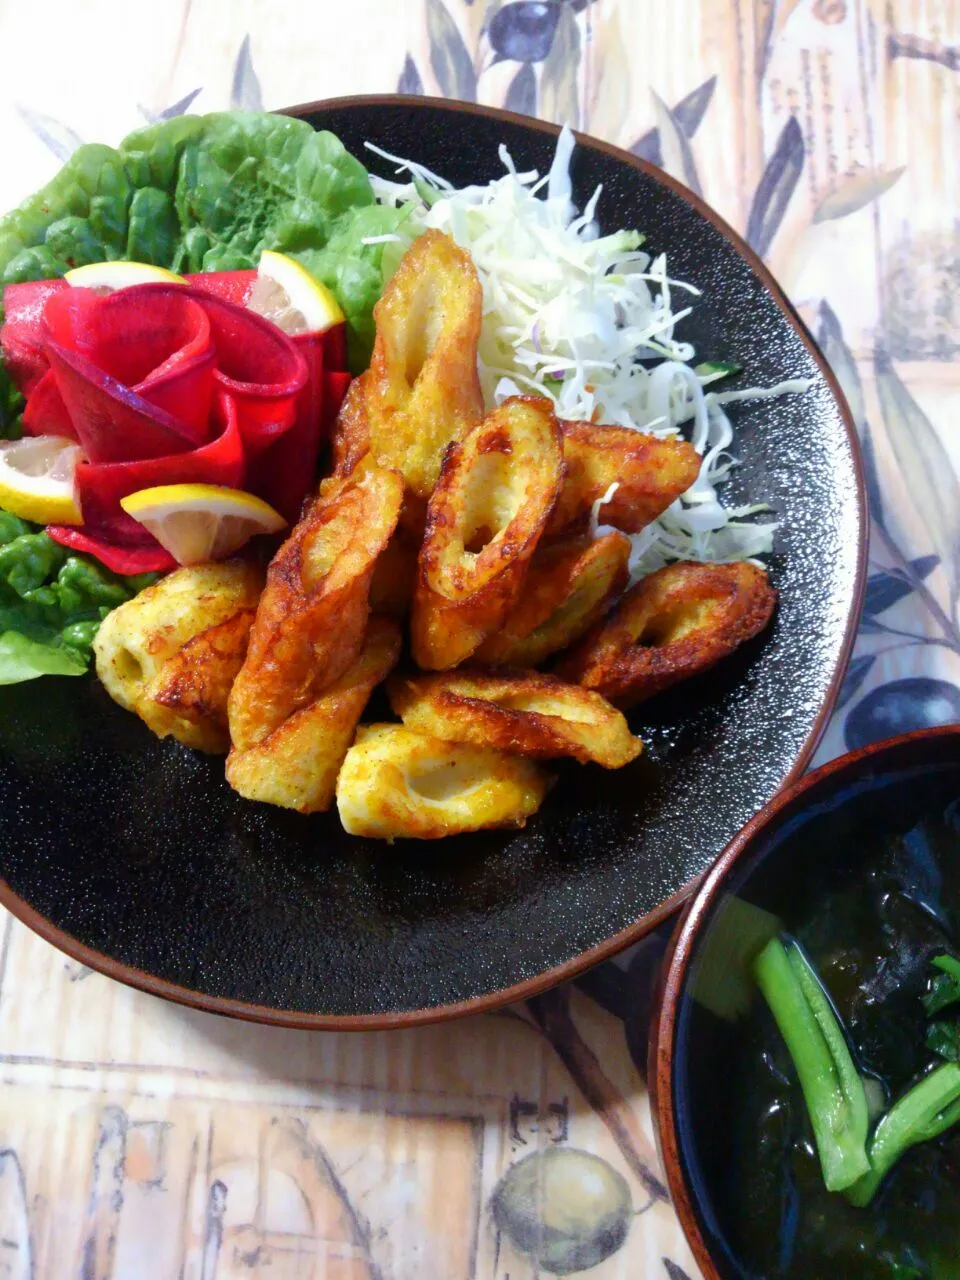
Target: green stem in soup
[924, 1112]
[832, 1087]
[945, 988]
[944, 1039]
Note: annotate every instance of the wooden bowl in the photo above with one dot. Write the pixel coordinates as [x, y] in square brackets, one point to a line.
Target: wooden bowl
[893, 777]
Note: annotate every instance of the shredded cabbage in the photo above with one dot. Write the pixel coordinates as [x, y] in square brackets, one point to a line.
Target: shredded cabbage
[589, 322]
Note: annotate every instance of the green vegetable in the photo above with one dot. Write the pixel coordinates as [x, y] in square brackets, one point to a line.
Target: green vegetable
[427, 192]
[924, 1112]
[943, 1038]
[51, 603]
[714, 370]
[831, 1084]
[722, 982]
[945, 988]
[24, 659]
[355, 272]
[209, 193]
[11, 404]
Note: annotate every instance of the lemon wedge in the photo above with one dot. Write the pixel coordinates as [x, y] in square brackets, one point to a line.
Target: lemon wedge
[109, 276]
[199, 522]
[37, 479]
[296, 301]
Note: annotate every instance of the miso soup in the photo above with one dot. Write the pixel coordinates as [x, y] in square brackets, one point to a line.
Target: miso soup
[870, 886]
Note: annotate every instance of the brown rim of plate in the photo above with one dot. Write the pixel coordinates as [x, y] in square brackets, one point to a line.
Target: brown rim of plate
[640, 928]
[680, 952]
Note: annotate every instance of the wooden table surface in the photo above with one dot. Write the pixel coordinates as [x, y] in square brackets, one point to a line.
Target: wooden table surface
[138, 1139]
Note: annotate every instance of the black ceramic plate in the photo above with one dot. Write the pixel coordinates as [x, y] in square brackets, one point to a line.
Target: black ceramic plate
[133, 855]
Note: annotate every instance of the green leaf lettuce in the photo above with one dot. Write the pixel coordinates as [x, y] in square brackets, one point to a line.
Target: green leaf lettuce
[24, 659]
[51, 603]
[209, 193]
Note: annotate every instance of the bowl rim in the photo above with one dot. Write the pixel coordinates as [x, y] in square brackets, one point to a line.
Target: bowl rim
[683, 944]
[252, 1012]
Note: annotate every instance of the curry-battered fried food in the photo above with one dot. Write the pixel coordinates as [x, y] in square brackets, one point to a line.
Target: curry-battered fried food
[676, 623]
[170, 653]
[187, 698]
[395, 575]
[494, 497]
[296, 767]
[522, 712]
[397, 784]
[351, 433]
[649, 473]
[568, 587]
[422, 389]
[313, 612]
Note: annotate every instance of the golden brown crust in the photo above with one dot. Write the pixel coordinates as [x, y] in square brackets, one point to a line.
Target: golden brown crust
[422, 390]
[672, 625]
[493, 499]
[649, 473]
[296, 766]
[313, 612]
[521, 712]
[569, 586]
[397, 784]
[187, 699]
[170, 653]
[395, 575]
[351, 433]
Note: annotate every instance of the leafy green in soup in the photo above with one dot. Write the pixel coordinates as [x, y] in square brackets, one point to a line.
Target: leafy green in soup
[871, 896]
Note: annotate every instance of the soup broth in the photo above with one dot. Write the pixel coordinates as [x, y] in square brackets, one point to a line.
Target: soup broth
[870, 887]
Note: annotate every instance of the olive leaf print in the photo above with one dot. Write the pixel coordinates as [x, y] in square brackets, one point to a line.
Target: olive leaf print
[551, 1012]
[776, 187]
[522, 94]
[449, 58]
[559, 81]
[856, 192]
[688, 113]
[178, 108]
[245, 90]
[673, 1271]
[409, 81]
[889, 586]
[840, 358]
[857, 672]
[54, 134]
[675, 149]
[924, 464]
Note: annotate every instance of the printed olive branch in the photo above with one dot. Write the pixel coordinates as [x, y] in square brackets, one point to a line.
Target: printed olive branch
[918, 453]
[902, 46]
[951, 636]
[551, 1012]
[874, 626]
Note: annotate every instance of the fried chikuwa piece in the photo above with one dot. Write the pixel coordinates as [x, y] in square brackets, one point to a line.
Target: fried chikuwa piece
[397, 784]
[649, 474]
[391, 590]
[351, 432]
[496, 490]
[171, 653]
[568, 587]
[521, 712]
[313, 612]
[674, 624]
[422, 389]
[296, 767]
[187, 698]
